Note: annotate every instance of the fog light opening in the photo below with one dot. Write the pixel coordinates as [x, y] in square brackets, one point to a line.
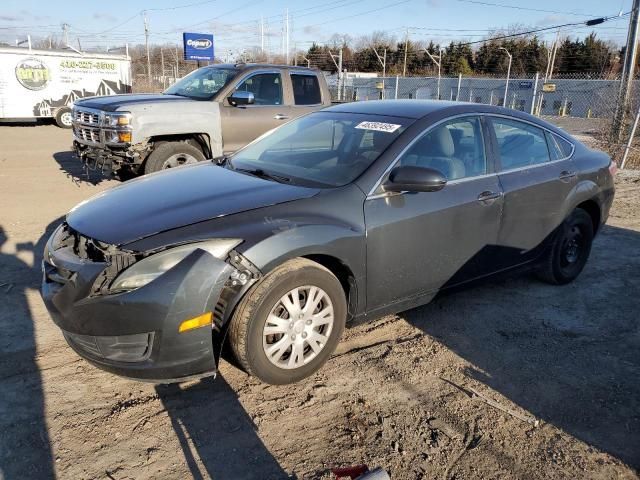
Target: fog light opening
[196, 322]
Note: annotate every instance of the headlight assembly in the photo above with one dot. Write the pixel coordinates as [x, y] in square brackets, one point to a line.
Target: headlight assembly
[148, 269]
[117, 119]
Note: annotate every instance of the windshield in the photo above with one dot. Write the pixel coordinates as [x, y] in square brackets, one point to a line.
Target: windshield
[202, 84]
[327, 149]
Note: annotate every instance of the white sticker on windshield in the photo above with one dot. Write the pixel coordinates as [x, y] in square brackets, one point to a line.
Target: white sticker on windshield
[378, 126]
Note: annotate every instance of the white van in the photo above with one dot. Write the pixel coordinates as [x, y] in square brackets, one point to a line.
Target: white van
[45, 83]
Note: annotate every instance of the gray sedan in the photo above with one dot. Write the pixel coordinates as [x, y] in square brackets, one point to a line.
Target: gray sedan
[356, 211]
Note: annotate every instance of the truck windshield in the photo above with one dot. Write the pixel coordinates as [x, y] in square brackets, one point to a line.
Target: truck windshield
[202, 84]
[324, 149]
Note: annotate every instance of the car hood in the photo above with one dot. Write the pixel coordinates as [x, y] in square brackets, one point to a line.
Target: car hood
[175, 198]
[112, 103]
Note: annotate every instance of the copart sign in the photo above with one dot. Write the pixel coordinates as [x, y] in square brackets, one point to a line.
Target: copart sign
[198, 46]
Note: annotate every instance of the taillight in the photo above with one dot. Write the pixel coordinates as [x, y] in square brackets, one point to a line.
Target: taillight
[613, 168]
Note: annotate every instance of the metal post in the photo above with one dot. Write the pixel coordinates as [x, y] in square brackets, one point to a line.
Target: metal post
[459, 83]
[628, 72]
[533, 96]
[506, 86]
[162, 63]
[287, 37]
[397, 79]
[630, 141]
[262, 35]
[340, 74]
[406, 44]
[146, 41]
[384, 72]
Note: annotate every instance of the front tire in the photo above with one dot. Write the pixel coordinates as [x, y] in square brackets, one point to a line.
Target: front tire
[288, 324]
[569, 251]
[64, 119]
[172, 154]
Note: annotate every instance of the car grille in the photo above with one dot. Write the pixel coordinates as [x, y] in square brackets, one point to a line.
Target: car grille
[86, 117]
[87, 134]
[121, 348]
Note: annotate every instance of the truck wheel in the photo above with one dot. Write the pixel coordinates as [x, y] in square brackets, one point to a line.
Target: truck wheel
[64, 118]
[570, 249]
[171, 155]
[288, 324]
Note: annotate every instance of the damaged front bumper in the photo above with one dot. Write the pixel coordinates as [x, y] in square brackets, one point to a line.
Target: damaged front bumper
[136, 333]
[111, 159]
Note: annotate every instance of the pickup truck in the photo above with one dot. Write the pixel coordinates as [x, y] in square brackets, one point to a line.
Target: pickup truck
[213, 111]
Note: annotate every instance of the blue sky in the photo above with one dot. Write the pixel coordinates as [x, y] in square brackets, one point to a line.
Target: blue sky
[236, 23]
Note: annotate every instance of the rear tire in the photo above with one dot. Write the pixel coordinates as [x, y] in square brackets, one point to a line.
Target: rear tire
[63, 118]
[569, 251]
[302, 340]
[172, 154]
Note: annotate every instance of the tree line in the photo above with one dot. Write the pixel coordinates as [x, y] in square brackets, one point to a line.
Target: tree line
[588, 55]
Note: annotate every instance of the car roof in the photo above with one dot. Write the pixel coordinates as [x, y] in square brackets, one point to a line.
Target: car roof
[253, 66]
[408, 108]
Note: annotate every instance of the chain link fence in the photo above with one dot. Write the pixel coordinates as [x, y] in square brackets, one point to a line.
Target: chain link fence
[582, 104]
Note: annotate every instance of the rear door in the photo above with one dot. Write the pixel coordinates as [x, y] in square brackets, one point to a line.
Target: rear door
[242, 124]
[420, 242]
[536, 173]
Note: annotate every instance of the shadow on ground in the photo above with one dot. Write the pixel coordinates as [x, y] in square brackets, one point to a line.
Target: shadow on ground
[25, 449]
[77, 171]
[217, 437]
[578, 372]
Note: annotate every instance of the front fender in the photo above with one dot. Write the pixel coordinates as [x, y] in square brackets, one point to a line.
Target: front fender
[161, 119]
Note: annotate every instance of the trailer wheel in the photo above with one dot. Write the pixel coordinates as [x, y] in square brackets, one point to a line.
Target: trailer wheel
[64, 118]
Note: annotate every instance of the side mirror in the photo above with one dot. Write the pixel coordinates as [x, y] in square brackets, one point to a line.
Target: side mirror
[241, 97]
[414, 179]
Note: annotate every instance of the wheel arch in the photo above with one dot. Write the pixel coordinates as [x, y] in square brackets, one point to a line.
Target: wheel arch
[198, 140]
[592, 207]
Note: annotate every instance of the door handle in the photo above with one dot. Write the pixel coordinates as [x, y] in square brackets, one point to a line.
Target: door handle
[567, 175]
[488, 197]
[280, 116]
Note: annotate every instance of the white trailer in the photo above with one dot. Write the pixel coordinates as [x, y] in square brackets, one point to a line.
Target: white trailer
[45, 83]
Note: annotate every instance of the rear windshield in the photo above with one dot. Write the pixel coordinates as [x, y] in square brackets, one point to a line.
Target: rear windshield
[326, 149]
[202, 84]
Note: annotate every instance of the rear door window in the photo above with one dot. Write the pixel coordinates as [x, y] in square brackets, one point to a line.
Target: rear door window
[520, 144]
[306, 89]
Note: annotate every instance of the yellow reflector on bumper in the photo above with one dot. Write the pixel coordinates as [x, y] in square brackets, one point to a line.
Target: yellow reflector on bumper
[196, 322]
[124, 137]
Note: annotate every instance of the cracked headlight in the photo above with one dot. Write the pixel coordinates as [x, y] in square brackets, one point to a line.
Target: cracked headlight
[148, 269]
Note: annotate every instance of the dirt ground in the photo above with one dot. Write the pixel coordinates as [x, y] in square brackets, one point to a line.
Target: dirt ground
[511, 379]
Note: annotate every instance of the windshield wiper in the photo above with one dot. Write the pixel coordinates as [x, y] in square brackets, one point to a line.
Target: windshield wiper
[258, 172]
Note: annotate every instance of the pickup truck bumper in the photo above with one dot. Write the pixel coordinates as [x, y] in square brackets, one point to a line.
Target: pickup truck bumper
[136, 334]
[108, 160]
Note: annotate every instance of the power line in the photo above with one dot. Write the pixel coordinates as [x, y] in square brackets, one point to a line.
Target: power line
[516, 7]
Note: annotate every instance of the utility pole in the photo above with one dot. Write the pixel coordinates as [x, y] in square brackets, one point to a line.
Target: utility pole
[65, 34]
[79, 45]
[162, 63]
[286, 30]
[146, 41]
[262, 35]
[406, 45]
[438, 64]
[506, 85]
[628, 70]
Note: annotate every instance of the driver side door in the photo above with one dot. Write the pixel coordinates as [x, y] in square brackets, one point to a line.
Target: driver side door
[420, 242]
[243, 124]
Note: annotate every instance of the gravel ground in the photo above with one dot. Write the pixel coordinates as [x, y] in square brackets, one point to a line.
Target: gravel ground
[511, 379]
